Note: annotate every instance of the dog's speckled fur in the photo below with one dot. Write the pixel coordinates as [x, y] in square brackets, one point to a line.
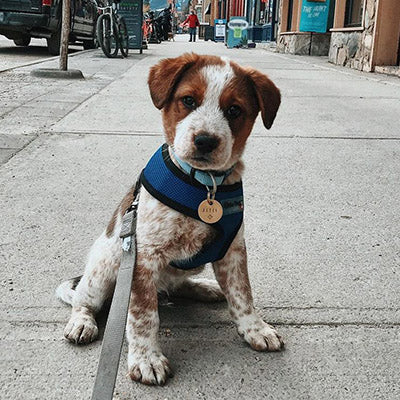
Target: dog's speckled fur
[215, 84]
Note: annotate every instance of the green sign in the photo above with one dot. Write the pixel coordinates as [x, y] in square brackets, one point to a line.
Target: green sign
[314, 16]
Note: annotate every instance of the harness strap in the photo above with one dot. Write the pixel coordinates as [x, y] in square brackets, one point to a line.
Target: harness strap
[116, 323]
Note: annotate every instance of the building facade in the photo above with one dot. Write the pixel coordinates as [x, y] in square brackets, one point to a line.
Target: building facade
[222, 9]
[361, 34]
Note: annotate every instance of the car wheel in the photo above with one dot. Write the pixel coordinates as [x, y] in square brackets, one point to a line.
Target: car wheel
[23, 41]
[53, 43]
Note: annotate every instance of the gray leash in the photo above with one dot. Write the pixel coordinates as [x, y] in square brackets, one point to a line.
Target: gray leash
[116, 323]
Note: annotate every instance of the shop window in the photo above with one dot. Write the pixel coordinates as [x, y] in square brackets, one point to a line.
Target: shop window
[290, 15]
[398, 53]
[354, 12]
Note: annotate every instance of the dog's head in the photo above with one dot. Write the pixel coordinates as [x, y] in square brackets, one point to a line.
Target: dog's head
[209, 105]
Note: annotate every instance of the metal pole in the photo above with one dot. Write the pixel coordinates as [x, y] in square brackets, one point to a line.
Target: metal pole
[65, 29]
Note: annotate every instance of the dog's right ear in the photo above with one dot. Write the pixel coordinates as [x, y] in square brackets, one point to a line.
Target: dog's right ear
[165, 75]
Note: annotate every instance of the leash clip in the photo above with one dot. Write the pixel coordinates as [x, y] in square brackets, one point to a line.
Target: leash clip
[128, 227]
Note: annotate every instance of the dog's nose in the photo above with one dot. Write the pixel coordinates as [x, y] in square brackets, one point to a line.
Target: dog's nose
[206, 143]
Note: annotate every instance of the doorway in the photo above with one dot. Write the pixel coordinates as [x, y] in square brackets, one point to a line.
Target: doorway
[386, 46]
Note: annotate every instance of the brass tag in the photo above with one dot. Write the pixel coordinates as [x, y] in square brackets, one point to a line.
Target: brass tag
[210, 211]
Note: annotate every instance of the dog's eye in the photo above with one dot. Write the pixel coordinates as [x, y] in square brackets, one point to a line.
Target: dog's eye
[189, 102]
[234, 111]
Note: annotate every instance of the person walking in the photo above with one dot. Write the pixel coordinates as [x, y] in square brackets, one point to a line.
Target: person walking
[193, 22]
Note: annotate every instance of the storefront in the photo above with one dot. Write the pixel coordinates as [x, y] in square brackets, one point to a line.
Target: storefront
[263, 13]
[361, 34]
[221, 9]
[366, 34]
[304, 27]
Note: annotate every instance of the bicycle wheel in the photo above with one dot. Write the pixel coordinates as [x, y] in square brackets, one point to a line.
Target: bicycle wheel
[123, 37]
[107, 38]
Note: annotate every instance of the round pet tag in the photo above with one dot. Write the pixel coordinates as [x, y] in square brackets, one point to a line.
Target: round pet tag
[210, 211]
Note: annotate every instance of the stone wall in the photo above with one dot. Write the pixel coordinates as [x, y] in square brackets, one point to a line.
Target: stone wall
[304, 44]
[353, 48]
[294, 43]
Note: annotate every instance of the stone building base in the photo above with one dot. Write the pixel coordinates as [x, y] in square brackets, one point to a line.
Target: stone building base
[351, 49]
[304, 43]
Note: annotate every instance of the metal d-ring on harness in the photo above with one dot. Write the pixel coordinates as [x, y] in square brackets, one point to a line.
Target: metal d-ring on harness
[116, 322]
[211, 192]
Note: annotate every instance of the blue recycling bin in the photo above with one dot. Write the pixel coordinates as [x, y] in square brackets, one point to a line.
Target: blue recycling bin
[257, 33]
[237, 32]
[266, 35]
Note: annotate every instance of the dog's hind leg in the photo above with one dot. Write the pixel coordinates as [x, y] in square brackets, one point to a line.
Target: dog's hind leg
[95, 286]
[66, 291]
[180, 283]
[200, 289]
[98, 282]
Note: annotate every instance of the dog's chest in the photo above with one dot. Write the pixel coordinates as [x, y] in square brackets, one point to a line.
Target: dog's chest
[167, 233]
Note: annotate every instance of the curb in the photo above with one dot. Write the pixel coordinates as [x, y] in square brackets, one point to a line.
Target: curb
[57, 73]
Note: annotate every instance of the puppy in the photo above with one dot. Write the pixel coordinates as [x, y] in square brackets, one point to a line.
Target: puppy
[209, 105]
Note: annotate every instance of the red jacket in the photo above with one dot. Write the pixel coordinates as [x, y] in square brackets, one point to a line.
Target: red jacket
[192, 20]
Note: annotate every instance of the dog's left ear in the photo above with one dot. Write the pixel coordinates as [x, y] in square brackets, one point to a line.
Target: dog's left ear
[268, 96]
[165, 75]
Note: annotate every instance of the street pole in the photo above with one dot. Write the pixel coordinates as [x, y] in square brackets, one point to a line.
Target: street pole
[65, 29]
[62, 72]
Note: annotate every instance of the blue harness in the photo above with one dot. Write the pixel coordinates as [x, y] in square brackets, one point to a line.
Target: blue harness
[172, 187]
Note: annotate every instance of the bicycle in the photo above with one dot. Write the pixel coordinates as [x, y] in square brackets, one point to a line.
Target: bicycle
[112, 33]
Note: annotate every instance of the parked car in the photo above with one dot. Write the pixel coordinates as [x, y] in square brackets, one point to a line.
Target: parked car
[21, 20]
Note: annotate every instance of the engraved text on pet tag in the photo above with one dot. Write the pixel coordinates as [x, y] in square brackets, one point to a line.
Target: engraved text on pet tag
[210, 211]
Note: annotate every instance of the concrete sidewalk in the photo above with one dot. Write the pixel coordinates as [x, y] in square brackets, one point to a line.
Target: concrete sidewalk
[322, 228]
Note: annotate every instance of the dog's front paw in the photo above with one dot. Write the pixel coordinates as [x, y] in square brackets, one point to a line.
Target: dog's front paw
[262, 337]
[81, 329]
[151, 368]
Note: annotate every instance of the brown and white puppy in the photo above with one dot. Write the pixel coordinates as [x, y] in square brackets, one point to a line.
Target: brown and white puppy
[198, 95]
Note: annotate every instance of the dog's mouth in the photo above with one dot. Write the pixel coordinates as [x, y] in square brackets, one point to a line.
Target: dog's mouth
[201, 159]
[204, 162]
[210, 161]
[201, 162]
